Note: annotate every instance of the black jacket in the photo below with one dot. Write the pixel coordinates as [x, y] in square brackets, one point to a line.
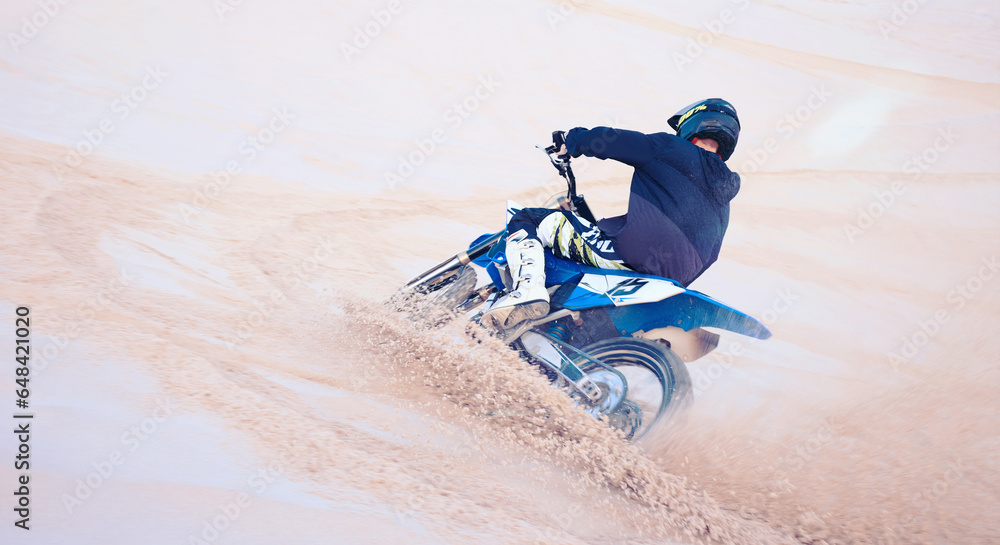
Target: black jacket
[678, 210]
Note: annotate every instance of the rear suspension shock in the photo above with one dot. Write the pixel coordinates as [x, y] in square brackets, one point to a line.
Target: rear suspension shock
[559, 331]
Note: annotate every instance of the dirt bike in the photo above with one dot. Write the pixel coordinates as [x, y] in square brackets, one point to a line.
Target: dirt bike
[615, 340]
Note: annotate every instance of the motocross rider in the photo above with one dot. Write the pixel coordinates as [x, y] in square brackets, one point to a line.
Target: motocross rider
[678, 209]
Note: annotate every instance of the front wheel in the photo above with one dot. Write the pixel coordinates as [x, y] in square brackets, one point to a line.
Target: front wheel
[657, 381]
[437, 299]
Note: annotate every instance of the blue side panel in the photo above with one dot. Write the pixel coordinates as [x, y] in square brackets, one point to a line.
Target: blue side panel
[586, 269]
[484, 259]
[491, 259]
[495, 276]
[687, 311]
[582, 299]
[560, 271]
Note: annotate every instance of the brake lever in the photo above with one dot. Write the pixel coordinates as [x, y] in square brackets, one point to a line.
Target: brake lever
[550, 150]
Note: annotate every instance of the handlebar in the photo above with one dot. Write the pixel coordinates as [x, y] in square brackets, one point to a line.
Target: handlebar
[562, 163]
[576, 202]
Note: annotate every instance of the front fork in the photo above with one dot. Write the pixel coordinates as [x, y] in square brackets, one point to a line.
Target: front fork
[554, 354]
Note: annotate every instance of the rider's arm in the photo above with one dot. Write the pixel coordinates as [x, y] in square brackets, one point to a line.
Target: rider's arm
[629, 147]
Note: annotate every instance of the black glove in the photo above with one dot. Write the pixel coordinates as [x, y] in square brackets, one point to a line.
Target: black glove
[559, 145]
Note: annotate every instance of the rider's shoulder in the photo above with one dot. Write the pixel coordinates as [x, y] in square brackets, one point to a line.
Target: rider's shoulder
[669, 145]
[665, 139]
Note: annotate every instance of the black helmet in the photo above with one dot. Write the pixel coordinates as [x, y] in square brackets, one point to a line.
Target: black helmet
[710, 118]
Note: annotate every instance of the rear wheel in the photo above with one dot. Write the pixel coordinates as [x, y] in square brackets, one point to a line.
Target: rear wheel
[657, 381]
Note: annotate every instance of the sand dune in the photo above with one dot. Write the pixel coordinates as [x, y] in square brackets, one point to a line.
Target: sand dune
[197, 213]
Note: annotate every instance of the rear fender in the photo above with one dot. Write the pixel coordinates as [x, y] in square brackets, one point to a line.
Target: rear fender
[689, 345]
[687, 311]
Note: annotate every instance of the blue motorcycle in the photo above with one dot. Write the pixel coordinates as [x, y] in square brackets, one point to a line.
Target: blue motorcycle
[615, 340]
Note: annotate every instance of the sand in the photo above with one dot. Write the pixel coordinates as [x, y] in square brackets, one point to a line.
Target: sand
[213, 360]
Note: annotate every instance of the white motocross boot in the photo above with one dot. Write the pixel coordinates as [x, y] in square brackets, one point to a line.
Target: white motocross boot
[528, 300]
